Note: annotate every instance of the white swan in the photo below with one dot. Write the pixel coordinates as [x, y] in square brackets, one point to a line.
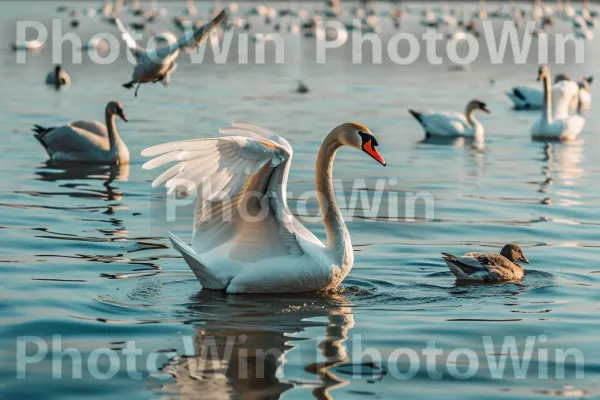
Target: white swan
[86, 141]
[156, 65]
[58, 77]
[452, 124]
[532, 98]
[549, 127]
[245, 238]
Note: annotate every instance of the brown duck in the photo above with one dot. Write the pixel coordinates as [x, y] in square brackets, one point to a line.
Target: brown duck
[488, 267]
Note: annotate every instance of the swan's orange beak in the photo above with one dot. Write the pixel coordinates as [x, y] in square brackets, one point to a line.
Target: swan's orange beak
[123, 117]
[372, 151]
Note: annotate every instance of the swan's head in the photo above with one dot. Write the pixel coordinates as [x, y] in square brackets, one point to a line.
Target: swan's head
[561, 77]
[360, 137]
[543, 73]
[514, 253]
[478, 105]
[116, 108]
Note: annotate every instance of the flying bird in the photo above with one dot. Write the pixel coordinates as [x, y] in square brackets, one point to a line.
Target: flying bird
[156, 65]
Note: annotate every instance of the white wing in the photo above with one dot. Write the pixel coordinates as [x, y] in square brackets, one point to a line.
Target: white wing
[444, 124]
[241, 207]
[191, 38]
[132, 45]
[564, 97]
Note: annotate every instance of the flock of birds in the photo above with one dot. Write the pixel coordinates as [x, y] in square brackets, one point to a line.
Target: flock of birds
[244, 174]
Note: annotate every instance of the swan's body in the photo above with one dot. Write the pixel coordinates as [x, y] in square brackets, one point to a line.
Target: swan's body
[562, 127]
[452, 124]
[488, 267]
[86, 141]
[157, 65]
[565, 93]
[244, 176]
[58, 77]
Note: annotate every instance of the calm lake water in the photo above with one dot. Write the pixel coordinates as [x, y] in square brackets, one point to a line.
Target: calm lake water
[85, 253]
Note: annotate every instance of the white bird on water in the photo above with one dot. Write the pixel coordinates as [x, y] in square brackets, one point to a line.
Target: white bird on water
[157, 65]
[548, 126]
[452, 124]
[86, 141]
[245, 239]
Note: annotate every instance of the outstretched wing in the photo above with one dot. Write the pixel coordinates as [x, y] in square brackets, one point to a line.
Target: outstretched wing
[191, 38]
[132, 45]
[240, 182]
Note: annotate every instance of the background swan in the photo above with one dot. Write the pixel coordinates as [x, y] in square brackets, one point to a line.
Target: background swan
[532, 98]
[86, 141]
[452, 123]
[58, 77]
[156, 65]
[550, 127]
[246, 175]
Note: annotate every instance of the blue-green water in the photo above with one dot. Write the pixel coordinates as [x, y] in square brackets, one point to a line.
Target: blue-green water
[85, 253]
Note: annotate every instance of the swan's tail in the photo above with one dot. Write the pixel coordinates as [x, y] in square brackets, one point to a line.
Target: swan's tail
[207, 277]
[416, 114]
[519, 100]
[40, 131]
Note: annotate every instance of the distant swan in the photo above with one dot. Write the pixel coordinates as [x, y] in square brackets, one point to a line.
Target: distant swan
[58, 77]
[86, 141]
[245, 238]
[549, 127]
[452, 124]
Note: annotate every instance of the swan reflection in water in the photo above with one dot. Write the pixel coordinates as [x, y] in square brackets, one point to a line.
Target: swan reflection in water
[241, 343]
[108, 174]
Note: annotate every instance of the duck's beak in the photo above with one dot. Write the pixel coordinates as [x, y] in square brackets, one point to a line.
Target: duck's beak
[372, 151]
[524, 259]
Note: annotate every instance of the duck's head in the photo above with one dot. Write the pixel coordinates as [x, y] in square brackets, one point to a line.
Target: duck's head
[360, 137]
[543, 73]
[116, 108]
[514, 253]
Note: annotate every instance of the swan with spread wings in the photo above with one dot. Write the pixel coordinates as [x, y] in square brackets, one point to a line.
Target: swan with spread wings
[158, 64]
[245, 239]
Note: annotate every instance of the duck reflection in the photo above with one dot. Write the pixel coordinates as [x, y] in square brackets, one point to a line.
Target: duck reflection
[240, 349]
[72, 173]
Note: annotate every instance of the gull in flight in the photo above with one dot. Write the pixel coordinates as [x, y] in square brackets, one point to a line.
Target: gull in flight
[156, 65]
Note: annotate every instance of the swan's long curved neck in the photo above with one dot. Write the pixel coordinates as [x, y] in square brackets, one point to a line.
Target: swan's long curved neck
[470, 113]
[111, 126]
[547, 107]
[338, 237]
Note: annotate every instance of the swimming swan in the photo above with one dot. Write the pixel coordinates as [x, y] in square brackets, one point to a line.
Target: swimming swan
[245, 239]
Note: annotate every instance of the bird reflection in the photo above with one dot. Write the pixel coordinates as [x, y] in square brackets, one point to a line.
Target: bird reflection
[562, 161]
[242, 343]
[70, 172]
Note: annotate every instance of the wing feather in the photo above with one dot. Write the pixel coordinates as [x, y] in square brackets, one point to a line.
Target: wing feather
[231, 175]
[132, 45]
